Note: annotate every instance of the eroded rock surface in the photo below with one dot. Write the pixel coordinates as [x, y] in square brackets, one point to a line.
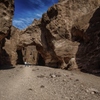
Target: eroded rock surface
[19, 48]
[67, 36]
[6, 14]
[89, 53]
[60, 32]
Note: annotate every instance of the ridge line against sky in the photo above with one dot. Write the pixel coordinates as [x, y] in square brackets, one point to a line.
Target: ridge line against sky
[28, 10]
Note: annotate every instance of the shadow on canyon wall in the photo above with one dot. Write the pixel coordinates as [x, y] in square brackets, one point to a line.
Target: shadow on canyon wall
[88, 54]
[5, 62]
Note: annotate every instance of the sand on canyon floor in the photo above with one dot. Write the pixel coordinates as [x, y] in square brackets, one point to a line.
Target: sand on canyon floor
[44, 83]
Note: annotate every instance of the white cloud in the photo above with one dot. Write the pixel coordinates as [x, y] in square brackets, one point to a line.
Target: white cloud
[24, 18]
[22, 23]
[39, 15]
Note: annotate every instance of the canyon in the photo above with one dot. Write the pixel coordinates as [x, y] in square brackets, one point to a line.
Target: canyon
[58, 47]
[67, 37]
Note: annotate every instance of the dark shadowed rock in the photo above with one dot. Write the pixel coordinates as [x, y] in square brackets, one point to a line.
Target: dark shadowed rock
[88, 54]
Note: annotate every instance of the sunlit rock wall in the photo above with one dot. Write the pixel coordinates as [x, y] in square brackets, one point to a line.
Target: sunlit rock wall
[6, 14]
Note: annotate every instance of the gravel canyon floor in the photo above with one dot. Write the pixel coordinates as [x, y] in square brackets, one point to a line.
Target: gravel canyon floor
[44, 83]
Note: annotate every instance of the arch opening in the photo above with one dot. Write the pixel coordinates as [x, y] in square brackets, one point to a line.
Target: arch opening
[40, 60]
[20, 57]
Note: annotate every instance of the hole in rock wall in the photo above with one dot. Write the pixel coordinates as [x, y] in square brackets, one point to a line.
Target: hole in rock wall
[9, 35]
[99, 35]
[4, 60]
[4, 57]
[20, 57]
[6, 3]
[40, 60]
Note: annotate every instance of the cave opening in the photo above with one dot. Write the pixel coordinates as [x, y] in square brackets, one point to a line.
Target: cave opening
[40, 60]
[4, 56]
[20, 57]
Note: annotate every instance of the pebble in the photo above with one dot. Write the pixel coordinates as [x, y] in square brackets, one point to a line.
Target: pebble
[92, 90]
[77, 80]
[42, 86]
[74, 86]
[82, 86]
[67, 75]
[70, 78]
[52, 75]
[67, 98]
[64, 80]
[58, 75]
[41, 76]
[33, 70]
[72, 74]
[30, 89]
[21, 66]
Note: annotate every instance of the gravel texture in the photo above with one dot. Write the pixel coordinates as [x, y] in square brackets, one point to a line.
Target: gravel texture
[44, 83]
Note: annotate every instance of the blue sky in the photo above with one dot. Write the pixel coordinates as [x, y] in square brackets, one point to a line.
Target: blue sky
[28, 10]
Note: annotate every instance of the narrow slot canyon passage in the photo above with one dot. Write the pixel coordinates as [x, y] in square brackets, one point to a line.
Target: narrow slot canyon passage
[40, 60]
[20, 57]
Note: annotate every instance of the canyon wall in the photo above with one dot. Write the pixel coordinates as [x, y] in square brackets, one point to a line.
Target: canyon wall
[67, 37]
[61, 34]
[6, 14]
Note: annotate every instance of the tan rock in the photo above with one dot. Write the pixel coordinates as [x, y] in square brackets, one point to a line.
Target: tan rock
[6, 14]
[67, 34]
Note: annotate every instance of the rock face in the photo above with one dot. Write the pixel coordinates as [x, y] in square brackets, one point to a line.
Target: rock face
[89, 53]
[19, 47]
[6, 14]
[62, 25]
[67, 36]
[11, 45]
